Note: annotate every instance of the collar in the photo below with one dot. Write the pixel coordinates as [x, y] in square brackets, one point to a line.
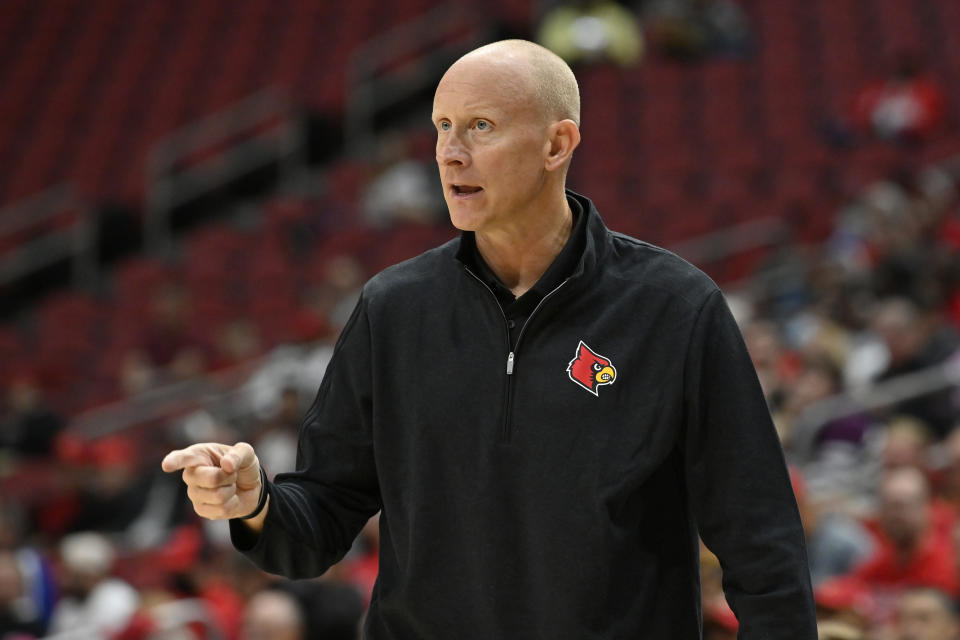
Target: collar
[559, 270]
[577, 255]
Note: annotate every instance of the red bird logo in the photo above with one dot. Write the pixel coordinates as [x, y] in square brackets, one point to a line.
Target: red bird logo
[590, 370]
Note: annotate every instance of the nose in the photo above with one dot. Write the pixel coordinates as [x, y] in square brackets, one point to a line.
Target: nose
[451, 151]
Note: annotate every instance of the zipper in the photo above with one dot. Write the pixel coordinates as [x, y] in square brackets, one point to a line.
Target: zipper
[512, 350]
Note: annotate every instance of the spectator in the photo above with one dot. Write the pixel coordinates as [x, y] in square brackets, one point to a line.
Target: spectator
[137, 373]
[30, 577]
[401, 189]
[834, 630]
[587, 31]
[844, 608]
[337, 293]
[915, 342]
[113, 488]
[949, 476]
[169, 342]
[333, 611]
[117, 497]
[297, 365]
[276, 440]
[910, 550]
[818, 380]
[29, 426]
[273, 614]
[18, 615]
[836, 543]
[769, 359]
[910, 105]
[301, 610]
[926, 614]
[237, 341]
[905, 443]
[690, 30]
[94, 603]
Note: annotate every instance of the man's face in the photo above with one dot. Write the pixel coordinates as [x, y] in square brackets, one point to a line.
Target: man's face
[923, 616]
[271, 615]
[904, 510]
[491, 143]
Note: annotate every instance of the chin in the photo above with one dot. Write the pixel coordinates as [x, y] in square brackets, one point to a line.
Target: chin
[464, 220]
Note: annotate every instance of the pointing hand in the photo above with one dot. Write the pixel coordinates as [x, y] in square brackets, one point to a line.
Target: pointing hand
[222, 481]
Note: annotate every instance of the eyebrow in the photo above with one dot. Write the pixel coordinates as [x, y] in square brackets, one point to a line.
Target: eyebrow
[493, 111]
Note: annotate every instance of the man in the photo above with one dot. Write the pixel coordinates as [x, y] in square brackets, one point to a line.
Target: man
[546, 412]
[303, 609]
[911, 550]
[926, 614]
[916, 342]
[93, 603]
[273, 614]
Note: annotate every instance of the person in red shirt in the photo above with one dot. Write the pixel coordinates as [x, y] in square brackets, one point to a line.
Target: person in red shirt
[910, 105]
[910, 552]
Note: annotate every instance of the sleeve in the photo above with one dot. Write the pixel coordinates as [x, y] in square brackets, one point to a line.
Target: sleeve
[316, 512]
[738, 484]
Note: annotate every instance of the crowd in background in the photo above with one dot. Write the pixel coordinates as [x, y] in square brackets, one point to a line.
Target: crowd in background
[102, 544]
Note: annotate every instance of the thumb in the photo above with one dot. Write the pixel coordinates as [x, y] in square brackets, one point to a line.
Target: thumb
[239, 458]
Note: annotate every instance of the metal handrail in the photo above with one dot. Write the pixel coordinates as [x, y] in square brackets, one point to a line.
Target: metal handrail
[35, 208]
[76, 242]
[168, 189]
[879, 395]
[723, 243]
[161, 402]
[212, 128]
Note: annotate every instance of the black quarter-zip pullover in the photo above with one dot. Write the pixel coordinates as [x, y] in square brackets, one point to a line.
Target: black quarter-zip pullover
[560, 496]
[517, 310]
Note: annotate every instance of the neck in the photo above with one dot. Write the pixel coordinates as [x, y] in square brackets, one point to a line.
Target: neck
[521, 253]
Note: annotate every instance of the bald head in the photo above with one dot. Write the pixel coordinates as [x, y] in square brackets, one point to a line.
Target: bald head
[273, 615]
[544, 76]
[506, 118]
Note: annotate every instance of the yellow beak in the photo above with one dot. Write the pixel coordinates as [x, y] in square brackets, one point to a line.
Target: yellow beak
[605, 375]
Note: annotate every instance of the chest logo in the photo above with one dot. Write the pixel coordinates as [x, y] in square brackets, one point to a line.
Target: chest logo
[590, 370]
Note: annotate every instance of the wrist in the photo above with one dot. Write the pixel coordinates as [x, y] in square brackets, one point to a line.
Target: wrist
[262, 501]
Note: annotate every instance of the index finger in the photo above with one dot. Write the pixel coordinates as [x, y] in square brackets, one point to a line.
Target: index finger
[181, 459]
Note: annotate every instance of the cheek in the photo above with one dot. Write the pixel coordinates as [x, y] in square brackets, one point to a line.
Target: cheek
[516, 167]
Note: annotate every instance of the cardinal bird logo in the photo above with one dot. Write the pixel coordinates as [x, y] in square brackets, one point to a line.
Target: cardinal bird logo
[590, 370]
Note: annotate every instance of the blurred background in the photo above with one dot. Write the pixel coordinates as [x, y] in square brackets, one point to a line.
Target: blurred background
[192, 194]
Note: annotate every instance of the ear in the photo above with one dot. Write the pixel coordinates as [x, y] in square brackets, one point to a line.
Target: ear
[563, 137]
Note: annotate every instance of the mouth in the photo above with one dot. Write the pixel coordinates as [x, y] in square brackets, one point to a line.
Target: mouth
[464, 190]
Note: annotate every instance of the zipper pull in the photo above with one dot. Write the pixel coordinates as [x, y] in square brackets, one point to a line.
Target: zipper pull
[510, 364]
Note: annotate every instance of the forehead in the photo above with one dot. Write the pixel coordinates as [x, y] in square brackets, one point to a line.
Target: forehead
[495, 85]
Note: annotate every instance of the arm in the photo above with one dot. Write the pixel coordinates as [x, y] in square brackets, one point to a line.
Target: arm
[309, 518]
[314, 513]
[739, 489]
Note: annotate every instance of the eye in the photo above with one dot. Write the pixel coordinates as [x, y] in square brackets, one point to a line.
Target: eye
[444, 126]
[596, 366]
[482, 125]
